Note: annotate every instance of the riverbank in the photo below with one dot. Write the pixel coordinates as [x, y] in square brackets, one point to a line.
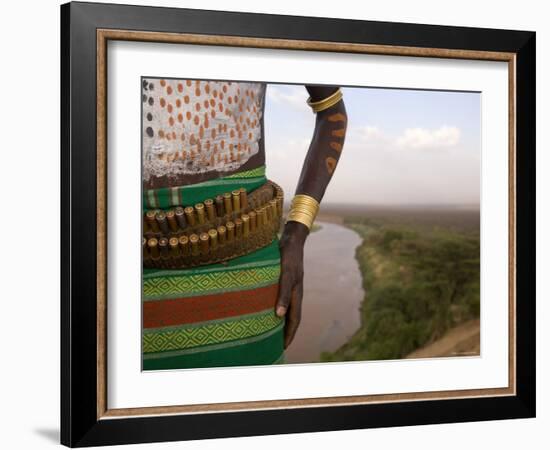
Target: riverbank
[420, 272]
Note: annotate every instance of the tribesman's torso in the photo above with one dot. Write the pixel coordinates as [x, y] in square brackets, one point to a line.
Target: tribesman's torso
[196, 130]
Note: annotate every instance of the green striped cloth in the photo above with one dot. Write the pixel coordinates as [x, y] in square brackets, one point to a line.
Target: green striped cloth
[255, 338]
[189, 195]
[217, 315]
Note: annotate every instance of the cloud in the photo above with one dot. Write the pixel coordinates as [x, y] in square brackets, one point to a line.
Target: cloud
[367, 134]
[295, 96]
[423, 138]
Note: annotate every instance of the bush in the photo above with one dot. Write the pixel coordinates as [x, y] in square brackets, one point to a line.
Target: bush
[389, 237]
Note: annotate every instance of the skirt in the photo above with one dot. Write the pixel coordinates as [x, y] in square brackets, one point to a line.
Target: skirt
[216, 315]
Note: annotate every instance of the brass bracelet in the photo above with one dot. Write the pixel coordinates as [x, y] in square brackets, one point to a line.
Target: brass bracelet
[326, 103]
[303, 209]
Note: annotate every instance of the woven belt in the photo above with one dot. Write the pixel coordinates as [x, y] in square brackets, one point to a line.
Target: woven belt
[231, 225]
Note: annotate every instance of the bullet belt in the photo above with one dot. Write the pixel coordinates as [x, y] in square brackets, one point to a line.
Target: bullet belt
[230, 225]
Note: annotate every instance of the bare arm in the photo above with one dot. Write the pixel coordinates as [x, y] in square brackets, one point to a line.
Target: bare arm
[321, 160]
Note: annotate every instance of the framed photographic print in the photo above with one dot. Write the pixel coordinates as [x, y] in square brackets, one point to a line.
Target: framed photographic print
[277, 224]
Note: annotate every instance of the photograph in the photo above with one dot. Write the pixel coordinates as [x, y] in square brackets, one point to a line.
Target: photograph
[287, 223]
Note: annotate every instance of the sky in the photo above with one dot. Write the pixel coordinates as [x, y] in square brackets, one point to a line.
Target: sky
[403, 147]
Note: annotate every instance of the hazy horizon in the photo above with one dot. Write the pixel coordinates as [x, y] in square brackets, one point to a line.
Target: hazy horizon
[328, 204]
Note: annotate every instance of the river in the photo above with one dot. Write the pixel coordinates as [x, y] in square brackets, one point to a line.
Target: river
[333, 293]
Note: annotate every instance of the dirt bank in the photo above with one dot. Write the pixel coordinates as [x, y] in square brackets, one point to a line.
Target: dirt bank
[462, 340]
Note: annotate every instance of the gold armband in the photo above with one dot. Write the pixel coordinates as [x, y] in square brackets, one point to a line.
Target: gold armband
[303, 209]
[326, 103]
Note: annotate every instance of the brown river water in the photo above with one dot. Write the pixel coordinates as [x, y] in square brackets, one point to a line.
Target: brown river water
[333, 293]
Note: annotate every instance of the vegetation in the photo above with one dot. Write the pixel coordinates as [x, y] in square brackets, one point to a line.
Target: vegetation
[420, 280]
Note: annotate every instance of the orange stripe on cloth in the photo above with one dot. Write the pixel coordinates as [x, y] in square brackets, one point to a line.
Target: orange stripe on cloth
[179, 311]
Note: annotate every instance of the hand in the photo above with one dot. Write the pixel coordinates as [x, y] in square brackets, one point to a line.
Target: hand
[291, 287]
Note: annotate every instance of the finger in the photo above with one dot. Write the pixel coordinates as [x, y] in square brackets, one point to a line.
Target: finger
[294, 316]
[283, 299]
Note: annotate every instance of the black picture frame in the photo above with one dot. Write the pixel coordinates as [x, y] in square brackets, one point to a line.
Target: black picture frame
[80, 424]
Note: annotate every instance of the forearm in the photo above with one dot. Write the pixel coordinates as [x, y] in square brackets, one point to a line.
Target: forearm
[321, 160]
[324, 151]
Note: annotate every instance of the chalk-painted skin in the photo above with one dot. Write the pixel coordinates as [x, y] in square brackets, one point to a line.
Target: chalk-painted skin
[321, 160]
[199, 130]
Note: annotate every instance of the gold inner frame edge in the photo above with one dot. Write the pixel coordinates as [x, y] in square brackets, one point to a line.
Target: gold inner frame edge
[104, 35]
